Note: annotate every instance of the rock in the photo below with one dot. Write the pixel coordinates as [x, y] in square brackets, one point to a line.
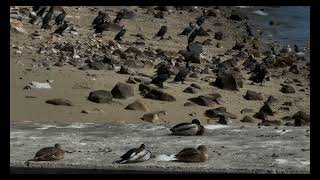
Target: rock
[159, 95]
[287, 89]
[97, 65]
[301, 118]
[137, 105]
[207, 100]
[160, 15]
[270, 123]
[154, 116]
[195, 48]
[193, 75]
[94, 111]
[294, 69]
[218, 35]
[85, 67]
[287, 104]
[59, 64]
[251, 95]
[17, 26]
[246, 110]
[264, 111]
[247, 118]
[225, 120]
[237, 16]
[122, 91]
[100, 96]
[217, 112]
[195, 85]
[271, 100]
[37, 85]
[131, 80]
[126, 70]
[190, 90]
[61, 102]
[189, 104]
[228, 81]
[284, 108]
[219, 45]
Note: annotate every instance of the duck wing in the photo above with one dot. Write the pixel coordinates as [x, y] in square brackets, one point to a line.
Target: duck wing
[188, 153]
[183, 127]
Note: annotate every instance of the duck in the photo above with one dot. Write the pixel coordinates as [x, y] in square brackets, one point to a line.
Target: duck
[49, 154]
[188, 129]
[135, 155]
[199, 154]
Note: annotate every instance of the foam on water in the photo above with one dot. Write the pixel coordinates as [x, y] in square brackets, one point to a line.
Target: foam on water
[164, 157]
[215, 126]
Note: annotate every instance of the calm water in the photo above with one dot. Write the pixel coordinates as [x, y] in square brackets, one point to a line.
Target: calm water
[291, 23]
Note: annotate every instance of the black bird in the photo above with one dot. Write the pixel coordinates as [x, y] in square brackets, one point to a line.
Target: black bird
[183, 73]
[162, 32]
[248, 29]
[59, 19]
[121, 33]
[99, 19]
[60, 29]
[99, 28]
[47, 17]
[193, 34]
[163, 69]
[202, 18]
[118, 17]
[41, 12]
[160, 79]
[35, 8]
[187, 30]
[259, 76]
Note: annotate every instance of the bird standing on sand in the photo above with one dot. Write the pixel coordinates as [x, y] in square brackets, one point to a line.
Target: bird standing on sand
[49, 154]
[121, 33]
[135, 155]
[59, 19]
[188, 129]
[118, 17]
[260, 73]
[183, 73]
[60, 29]
[47, 18]
[99, 28]
[163, 74]
[193, 155]
[162, 32]
[99, 19]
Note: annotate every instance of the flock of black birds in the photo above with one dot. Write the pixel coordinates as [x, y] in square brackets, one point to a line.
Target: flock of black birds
[102, 22]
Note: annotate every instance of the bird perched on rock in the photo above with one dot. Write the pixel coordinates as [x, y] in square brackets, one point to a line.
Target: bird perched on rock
[202, 18]
[118, 17]
[187, 30]
[99, 28]
[183, 73]
[59, 19]
[193, 34]
[162, 32]
[49, 154]
[188, 129]
[193, 155]
[260, 73]
[99, 19]
[60, 29]
[121, 33]
[47, 17]
[41, 11]
[135, 155]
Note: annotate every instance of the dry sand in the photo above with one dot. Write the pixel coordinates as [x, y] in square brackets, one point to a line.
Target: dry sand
[67, 78]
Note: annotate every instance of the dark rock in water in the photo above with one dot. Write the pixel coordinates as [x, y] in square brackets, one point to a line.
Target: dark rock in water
[131, 80]
[246, 110]
[159, 95]
[217, 112]
[247, 118]
[287, 89]
[224, 120]
[190, 90]
[100, 96]
[284, 108]
[122, 91]
[301, 118]
[195, 85]
[189, 104]
[207, 100]
[137, 105]
[270, 123]
[271, 100]
[218, 35]
[287, 104]
[294, 69]
[251, 95]
[228, 81]
[159, 15]
[126, 70]
[97, 65]
[61, 102]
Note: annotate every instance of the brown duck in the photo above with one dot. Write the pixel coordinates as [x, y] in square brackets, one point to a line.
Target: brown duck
[49, 154]
[193, 155]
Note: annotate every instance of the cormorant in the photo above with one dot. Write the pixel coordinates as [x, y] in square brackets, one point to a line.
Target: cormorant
[99, 19]
[121, 33]
[181, 76]
[99, 28]
[41, 12]
[59, 19]
[118, 17]
[162, 31]
[47, 17]
[193, 34]
[60, 29]
[260, 73]
[187, 30]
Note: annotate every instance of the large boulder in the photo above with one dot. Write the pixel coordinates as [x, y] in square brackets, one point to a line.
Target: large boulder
[218, 112]
[301, 118]
[264, 111]
[228, 81]
[137, 105]
[288, 89]
[190, 90]
[159, 95]
[207, 100]
[100, 96]
[122, 91]
[251, 95]
[218, 35]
